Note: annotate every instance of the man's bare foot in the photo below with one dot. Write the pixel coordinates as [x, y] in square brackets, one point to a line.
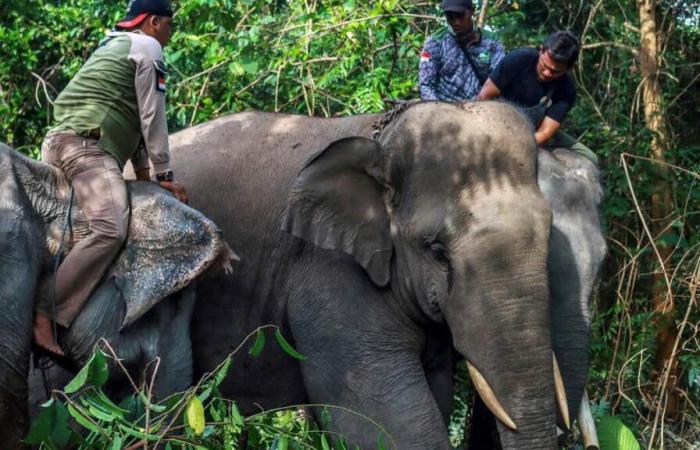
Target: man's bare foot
[42, 332]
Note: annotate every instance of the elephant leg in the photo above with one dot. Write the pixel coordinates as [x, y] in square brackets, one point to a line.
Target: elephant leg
[175, 343]
[364, 359]
[393, 394]
[19, 271]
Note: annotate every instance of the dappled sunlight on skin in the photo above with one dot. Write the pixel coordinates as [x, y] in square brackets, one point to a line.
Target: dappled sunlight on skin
[418, 189]
[469, 148]
[481, 173]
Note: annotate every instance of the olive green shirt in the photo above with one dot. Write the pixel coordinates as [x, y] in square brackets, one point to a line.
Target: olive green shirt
[120, 91]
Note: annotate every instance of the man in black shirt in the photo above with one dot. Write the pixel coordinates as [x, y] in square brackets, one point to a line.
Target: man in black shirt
[538, 81]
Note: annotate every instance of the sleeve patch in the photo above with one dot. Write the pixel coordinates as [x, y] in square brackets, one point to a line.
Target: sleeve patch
[161, 73]
[425, 56]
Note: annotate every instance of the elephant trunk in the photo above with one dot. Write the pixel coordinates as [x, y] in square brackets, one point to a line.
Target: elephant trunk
[499, 317]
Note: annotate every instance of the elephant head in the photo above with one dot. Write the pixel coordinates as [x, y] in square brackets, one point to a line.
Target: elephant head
[169, 246]
[444, 211]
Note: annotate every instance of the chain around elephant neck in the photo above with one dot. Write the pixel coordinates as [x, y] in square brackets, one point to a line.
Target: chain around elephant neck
[398, 107]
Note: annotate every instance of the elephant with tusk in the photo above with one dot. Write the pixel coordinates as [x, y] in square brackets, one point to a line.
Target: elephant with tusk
[382, 258]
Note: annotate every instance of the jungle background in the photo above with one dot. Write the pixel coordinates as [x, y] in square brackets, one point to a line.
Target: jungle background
[638, 81]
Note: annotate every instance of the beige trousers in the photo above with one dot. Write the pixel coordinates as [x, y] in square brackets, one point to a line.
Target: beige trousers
[101, 191]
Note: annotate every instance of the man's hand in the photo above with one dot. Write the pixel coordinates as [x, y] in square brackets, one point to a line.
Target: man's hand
[489, 91]
[177, 189]
[143, 174]
[548, 128]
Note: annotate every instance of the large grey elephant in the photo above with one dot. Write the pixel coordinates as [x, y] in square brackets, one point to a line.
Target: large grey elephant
[169, 246]
[379, 258]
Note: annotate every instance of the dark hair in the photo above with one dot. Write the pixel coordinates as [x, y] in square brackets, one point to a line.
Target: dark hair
[563, 47]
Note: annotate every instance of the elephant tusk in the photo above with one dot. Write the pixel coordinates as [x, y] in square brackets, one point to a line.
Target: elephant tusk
[587, 425]
[489, 398]
[561, 394]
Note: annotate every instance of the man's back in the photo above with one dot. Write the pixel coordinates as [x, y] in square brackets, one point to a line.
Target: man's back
[103, 94]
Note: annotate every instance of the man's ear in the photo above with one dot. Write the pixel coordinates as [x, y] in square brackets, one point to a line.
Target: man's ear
[337, 202]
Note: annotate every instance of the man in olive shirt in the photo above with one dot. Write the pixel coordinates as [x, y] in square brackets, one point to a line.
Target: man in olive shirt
[112, 111]
[537, 80]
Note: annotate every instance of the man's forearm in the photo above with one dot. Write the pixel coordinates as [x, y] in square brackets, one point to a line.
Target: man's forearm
[488, 91]
[548, 128]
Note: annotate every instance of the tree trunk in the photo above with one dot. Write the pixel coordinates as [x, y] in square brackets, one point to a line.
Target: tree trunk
[482, 13]
[666, 331]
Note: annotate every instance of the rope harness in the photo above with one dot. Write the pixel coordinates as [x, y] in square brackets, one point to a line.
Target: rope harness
[397, 108]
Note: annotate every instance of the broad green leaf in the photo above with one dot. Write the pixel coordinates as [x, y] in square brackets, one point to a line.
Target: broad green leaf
[236, 416]
[95, 401]
[137, 434]
[117, 442]
[251, 67]
[95, 371]
[280, 443]
[223, 371]
[82, 420]
[109, 403]
[208, 431]
[324, 443]
[288, 348]
[155, 407]
[259, 343]
[51, 425]
[614, 435]
[80, 379]
[380, 442]
[100, 414]
[204, 395]
[133, 405]
[195, 415]
[99, 372]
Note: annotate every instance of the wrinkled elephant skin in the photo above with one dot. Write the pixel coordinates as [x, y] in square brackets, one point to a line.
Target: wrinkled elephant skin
[127, 308]
[391, 255]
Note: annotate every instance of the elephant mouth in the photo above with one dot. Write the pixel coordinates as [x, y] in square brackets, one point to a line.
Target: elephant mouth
[496, 407]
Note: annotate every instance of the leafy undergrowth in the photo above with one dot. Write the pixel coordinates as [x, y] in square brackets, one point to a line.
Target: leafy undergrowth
[83, 416]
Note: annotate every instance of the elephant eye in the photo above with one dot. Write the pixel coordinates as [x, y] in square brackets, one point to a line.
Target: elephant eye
[439, 252]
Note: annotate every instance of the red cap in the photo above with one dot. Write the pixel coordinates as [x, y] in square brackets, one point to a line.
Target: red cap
[134, 21]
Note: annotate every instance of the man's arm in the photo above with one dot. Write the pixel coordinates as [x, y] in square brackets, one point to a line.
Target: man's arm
[548, 128]
[428, 70]
[489, 91]
[150, 95]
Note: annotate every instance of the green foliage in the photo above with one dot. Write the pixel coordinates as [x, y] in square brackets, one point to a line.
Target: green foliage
[614, 435]
[84, 417]
[342, 57]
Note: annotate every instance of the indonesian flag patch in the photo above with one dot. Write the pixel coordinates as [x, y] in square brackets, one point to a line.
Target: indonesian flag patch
[161, 72]
[424, 56]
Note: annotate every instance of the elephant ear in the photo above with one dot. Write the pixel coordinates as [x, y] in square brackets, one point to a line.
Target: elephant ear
[337, 203]
[169, 245]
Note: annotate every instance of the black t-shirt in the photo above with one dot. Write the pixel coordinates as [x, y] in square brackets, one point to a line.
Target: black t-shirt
[516, 78]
